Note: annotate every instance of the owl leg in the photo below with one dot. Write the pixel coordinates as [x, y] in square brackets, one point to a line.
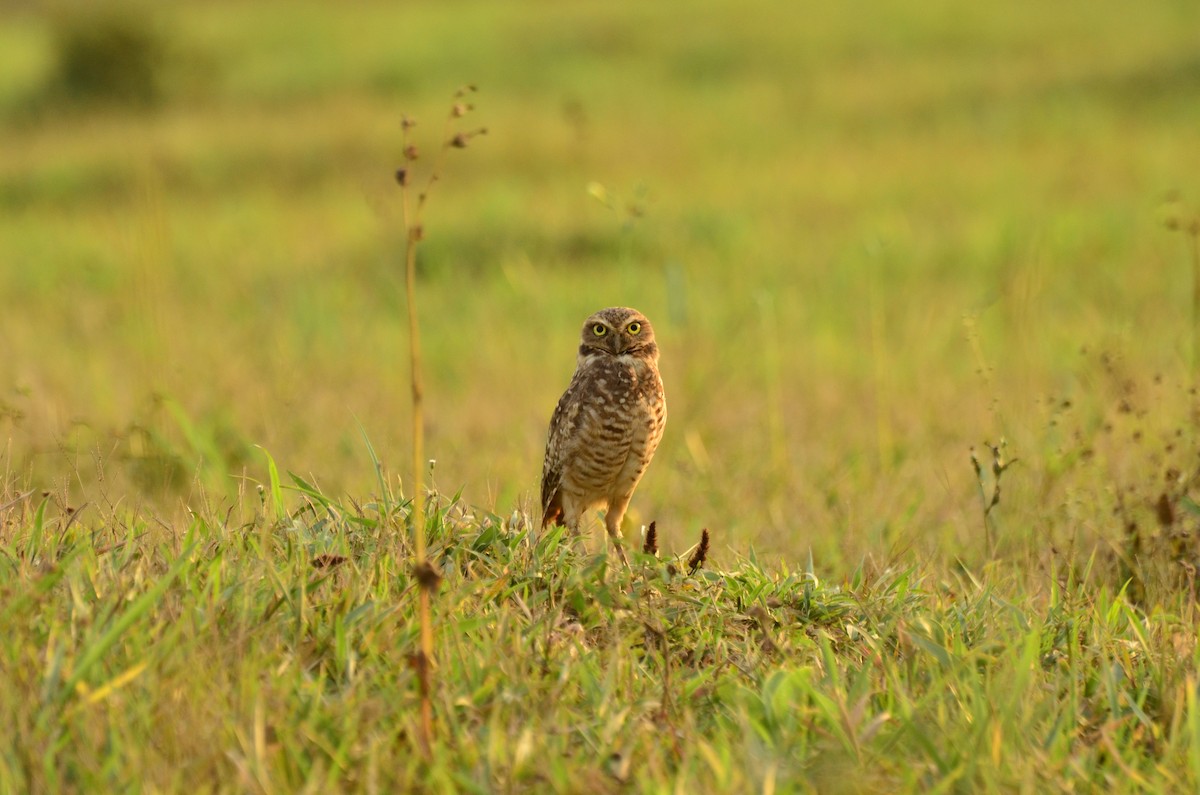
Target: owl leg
[612, 523]
[571, 514]
[571, 517]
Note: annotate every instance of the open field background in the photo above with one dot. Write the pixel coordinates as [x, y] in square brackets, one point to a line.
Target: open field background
[870, 236]
[824, 200]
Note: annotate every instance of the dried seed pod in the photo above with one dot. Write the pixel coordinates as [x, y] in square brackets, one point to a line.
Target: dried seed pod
[427, 576]
[650, 546]
[700, 555]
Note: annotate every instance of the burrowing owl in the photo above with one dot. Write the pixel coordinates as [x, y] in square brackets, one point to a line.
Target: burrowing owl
[607, 424]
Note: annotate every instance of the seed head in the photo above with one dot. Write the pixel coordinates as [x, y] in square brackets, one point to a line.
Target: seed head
[428, 577]
[650, 546]
[700, 555]
[410, 152]
[1164, 511]
[401, 177]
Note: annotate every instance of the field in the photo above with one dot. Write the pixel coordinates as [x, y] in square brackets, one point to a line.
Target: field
[924, 278]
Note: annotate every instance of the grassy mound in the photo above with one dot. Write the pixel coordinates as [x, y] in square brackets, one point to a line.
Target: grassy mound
[246, 650]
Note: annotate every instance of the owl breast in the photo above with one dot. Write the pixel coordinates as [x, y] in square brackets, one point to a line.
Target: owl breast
[620, 420]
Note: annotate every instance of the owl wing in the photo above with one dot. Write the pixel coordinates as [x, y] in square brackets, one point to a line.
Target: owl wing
[562, 428]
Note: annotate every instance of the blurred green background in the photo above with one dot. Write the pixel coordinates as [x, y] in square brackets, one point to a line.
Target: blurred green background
[870, 235]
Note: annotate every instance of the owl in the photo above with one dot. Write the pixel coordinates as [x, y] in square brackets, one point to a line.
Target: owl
[607, 424]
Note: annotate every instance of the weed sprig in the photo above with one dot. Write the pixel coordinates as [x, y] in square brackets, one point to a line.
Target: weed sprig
[989, 498]
[426, 574]
[1187, 222]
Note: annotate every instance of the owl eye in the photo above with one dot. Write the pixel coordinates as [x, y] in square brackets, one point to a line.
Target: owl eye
[599, 329]
[634, 328]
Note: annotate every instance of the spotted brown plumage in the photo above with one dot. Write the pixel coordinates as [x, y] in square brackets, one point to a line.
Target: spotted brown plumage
[607, 424]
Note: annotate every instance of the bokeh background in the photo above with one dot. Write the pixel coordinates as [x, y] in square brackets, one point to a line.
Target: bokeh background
[870, 235]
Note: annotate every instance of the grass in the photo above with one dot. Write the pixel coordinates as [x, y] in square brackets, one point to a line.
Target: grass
[871, 241]
[244, 653]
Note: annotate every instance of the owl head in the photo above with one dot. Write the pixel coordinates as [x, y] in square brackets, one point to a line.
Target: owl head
[618, 331]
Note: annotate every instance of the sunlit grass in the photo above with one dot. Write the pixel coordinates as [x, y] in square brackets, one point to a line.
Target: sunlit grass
[870, 239]
[238, 651]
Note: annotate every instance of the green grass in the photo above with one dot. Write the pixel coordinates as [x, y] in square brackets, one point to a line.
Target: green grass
[244, 653]
[871, 238]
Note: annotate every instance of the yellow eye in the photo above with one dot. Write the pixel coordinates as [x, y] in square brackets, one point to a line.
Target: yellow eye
[634, 328]
[599, 329]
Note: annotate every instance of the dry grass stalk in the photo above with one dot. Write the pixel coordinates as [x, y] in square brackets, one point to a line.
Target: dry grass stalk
[425, 573]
